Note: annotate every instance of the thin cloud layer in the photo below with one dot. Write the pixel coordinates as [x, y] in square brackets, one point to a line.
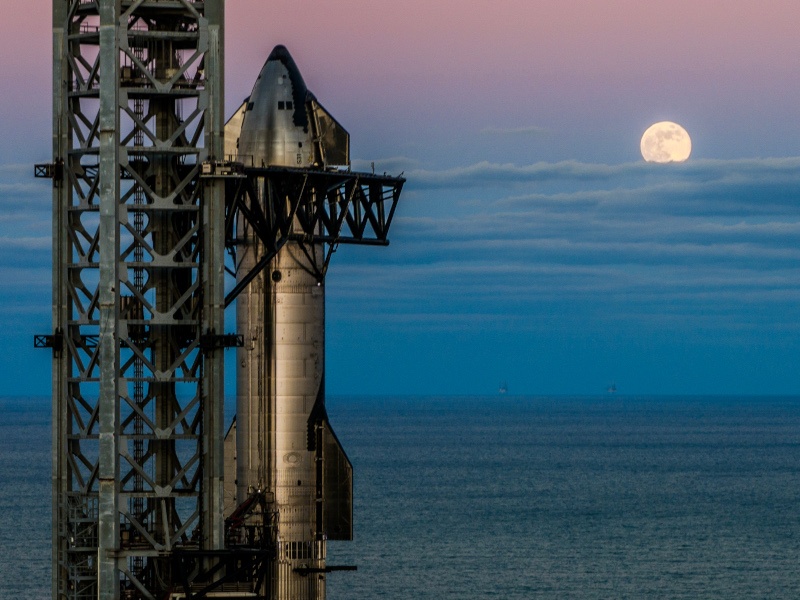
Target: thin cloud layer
[25, 218]
[713, 240]
[487, 174]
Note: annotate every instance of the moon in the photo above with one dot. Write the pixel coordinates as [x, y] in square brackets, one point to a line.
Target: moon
[666, 142]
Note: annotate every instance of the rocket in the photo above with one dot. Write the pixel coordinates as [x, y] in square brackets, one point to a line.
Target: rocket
[281, 445]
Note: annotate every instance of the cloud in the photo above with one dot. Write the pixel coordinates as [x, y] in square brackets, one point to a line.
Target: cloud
[11, 193]
[393, 165]
[571, 172]
[487, 174]
[20, 192]
[25, 223]
[714, 242]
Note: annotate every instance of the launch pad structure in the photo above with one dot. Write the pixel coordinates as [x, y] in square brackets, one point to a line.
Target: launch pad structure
[148, 212]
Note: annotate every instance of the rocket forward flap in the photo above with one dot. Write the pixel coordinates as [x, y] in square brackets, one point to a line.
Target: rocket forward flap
[233, 129]
[333, 141]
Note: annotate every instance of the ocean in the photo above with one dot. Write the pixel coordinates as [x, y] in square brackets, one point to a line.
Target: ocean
[518, 497]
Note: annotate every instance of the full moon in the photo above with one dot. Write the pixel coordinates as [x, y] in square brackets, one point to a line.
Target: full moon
[666, 142]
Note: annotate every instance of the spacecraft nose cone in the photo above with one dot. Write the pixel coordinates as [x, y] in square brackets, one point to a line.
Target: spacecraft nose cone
[280, 52]
[280, 56]
[275, 128]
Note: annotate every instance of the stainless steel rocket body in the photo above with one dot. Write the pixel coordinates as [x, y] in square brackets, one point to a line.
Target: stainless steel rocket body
[280, 369]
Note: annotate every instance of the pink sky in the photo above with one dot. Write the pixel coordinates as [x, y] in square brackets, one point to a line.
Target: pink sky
[402, 70]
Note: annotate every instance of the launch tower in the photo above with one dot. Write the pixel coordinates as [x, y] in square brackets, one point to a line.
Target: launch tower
[137, 293]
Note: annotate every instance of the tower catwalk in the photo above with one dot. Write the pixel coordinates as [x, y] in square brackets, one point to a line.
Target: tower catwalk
[137, 281]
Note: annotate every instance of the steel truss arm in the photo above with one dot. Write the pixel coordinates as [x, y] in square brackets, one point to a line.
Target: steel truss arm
[310, 206]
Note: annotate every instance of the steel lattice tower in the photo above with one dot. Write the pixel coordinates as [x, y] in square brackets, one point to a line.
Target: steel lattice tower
[137, 293]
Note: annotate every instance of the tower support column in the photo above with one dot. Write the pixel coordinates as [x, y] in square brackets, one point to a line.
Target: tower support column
[108, 301]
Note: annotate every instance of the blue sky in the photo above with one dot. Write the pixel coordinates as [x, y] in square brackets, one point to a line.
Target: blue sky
[533, 245]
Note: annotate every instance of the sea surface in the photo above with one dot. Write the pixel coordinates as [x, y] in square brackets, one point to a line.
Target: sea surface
[517, 497]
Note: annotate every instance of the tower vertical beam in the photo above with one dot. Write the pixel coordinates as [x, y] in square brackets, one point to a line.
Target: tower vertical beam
[213, 216]
[108, 299]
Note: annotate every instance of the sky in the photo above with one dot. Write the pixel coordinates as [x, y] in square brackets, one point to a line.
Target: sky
[532, 245]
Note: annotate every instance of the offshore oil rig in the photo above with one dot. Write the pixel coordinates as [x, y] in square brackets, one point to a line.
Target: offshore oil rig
[164, 214]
